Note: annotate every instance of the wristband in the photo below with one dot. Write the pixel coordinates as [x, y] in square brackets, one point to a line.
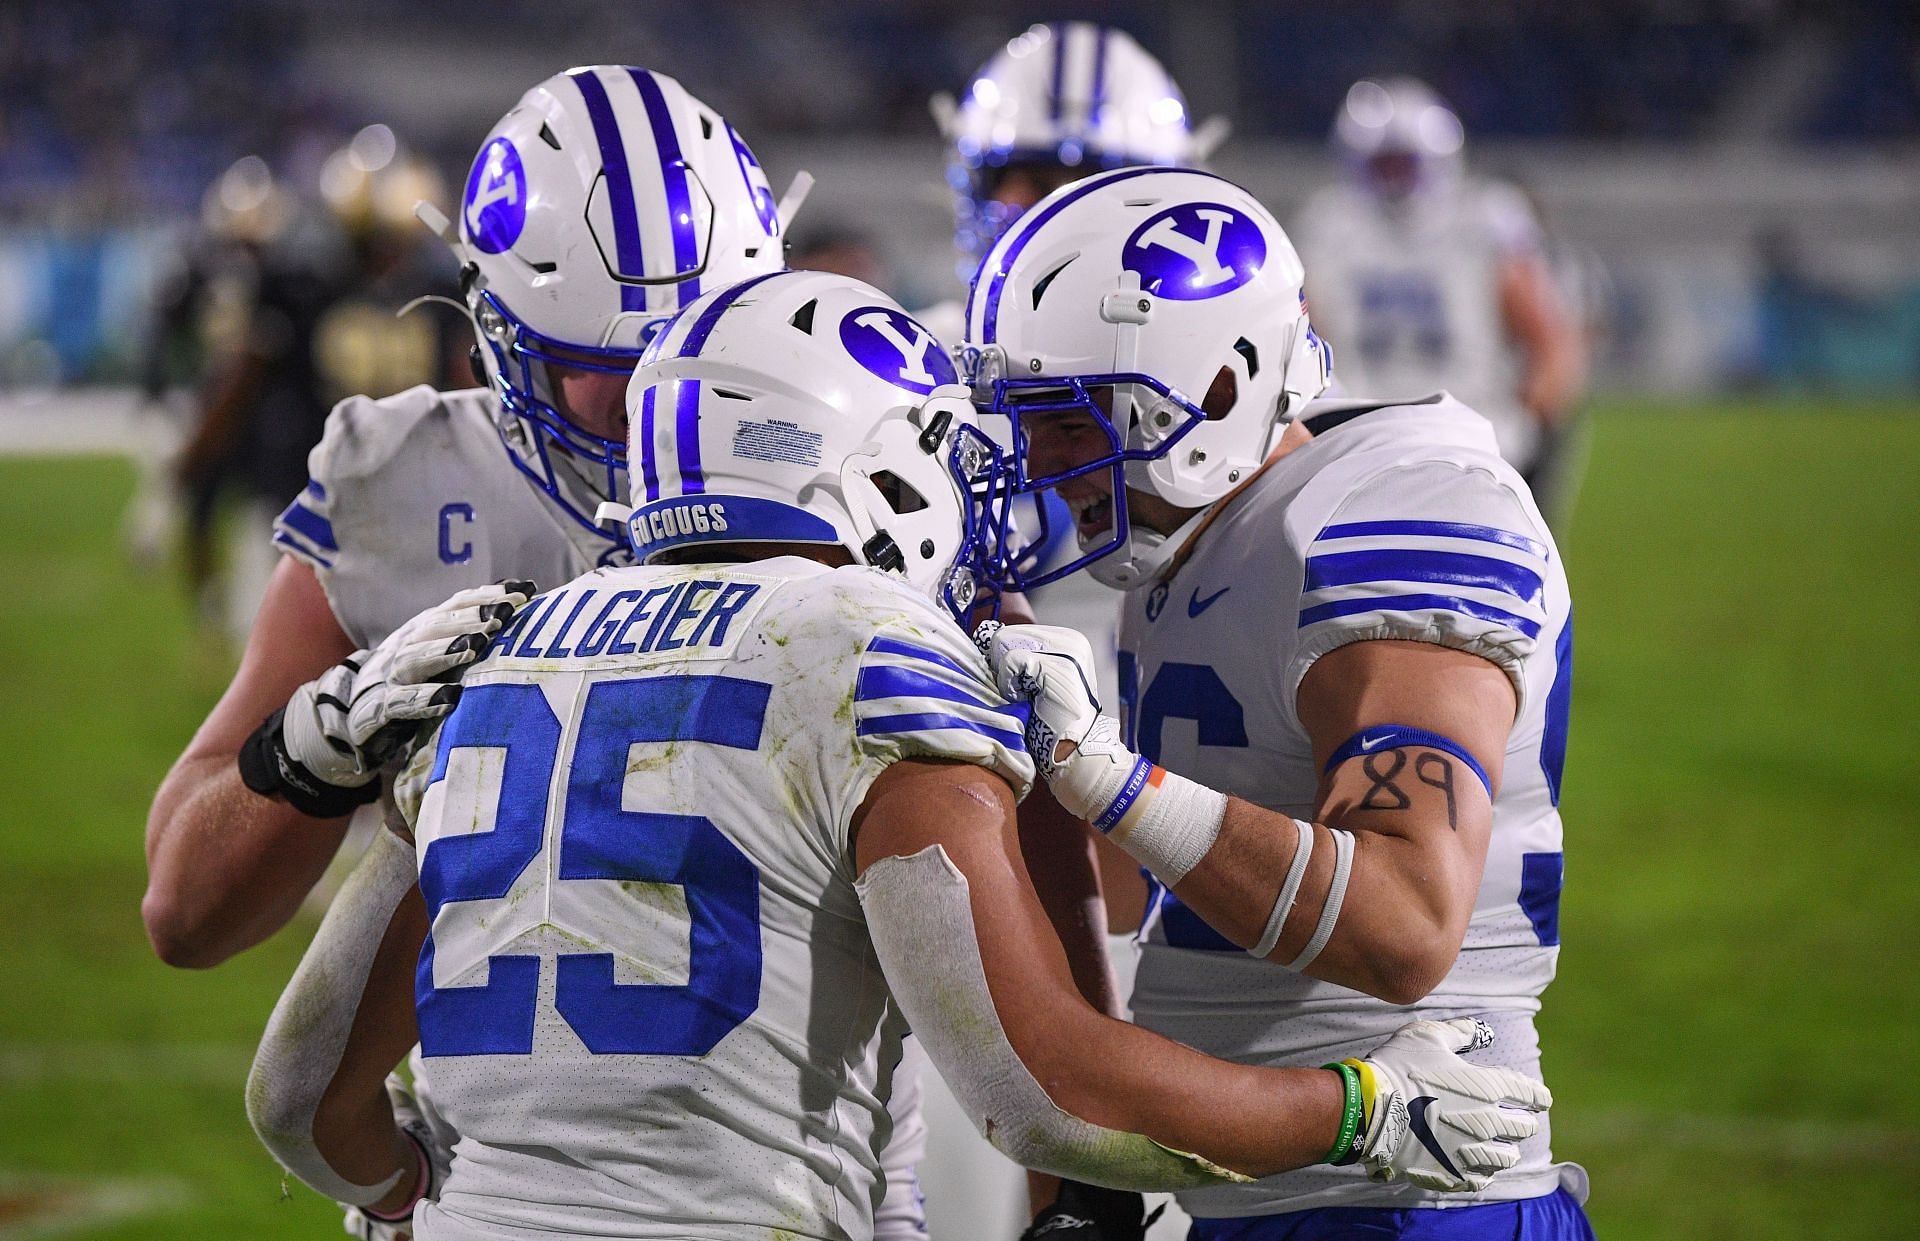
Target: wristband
[267, 769]
[1289, 891]
[1336, 897]
[1350, 1115]
[1369, 1091]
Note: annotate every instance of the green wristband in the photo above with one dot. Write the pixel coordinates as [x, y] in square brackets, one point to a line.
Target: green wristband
[1350, 1118]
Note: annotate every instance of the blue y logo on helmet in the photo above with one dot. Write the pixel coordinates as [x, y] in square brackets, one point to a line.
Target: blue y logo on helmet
[1195, 251]
[495, 205]
[897, 349]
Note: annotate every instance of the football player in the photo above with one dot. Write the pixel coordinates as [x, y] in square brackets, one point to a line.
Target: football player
[705, 833]
[1425, 278]
[1346, 649]
[604, 201]
[1059, 101]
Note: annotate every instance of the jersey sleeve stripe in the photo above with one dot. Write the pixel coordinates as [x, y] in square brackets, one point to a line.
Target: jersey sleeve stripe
[893, 646]
[310, 525]
[877, 681]
[1418, 603]
[1438, 529]
[931, 721]
[301, 550]
[1443, 568]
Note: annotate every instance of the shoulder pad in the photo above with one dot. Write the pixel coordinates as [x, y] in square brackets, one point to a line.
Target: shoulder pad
[363, 434]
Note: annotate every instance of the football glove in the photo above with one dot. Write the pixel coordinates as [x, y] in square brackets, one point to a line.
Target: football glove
[1439, 1122]
[1051, 669]
[322, 752]
[408, 1114]
[1090, 1213]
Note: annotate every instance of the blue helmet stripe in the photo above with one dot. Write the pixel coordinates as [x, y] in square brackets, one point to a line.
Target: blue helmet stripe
[649, 468]
[1059, 71]
[1099, 78]
[1023, 232]
[686, 437]
[673, 174]
[696, 337]
[613, 157]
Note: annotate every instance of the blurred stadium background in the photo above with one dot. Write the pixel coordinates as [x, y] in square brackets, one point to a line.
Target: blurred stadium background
[1732, 188]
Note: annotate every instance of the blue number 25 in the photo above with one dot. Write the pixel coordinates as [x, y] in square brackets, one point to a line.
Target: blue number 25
[599, 839]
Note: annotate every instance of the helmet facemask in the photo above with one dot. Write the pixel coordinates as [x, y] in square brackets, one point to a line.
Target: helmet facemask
[543, 442]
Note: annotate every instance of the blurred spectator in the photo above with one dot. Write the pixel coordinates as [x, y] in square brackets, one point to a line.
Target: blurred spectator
[295, 306]
[1424, 278]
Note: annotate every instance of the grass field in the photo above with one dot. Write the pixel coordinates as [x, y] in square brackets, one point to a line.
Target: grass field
[1731, 1037]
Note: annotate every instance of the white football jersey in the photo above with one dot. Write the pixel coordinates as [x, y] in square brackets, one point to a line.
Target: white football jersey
[649, 1004]
[1409, 297]
[413, 498]
[1394, 522]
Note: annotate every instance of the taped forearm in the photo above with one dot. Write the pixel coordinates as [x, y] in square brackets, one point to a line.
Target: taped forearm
[308, 1032]
[920, 918]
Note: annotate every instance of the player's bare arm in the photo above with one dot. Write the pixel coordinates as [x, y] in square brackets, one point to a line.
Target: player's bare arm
[1548, 336]
[1419, 817]
[265, 807]
[930, 834]
[227, 867]
[1375, 893]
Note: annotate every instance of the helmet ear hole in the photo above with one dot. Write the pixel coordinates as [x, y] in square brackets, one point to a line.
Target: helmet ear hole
[1221, 394]
[899, 494]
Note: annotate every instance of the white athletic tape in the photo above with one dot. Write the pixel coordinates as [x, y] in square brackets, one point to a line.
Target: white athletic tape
[307, 1034]
[1170, 825]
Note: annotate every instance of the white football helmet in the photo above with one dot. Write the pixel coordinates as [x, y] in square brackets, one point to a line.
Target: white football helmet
[604, 202]
[1397, 138]
[1174, 298]
[808, 407]
[1064, 94]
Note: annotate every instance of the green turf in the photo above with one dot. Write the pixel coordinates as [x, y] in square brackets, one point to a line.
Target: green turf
[1731, 1033]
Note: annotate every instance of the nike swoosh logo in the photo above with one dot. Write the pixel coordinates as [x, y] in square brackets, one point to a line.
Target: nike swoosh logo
[1417, 1121]
[1369, 742]
[1197, 605]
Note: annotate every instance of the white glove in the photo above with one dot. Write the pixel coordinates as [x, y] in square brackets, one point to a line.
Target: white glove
[1437, 1120]
[414, 1122]
[324, 749]
[1051, 669]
